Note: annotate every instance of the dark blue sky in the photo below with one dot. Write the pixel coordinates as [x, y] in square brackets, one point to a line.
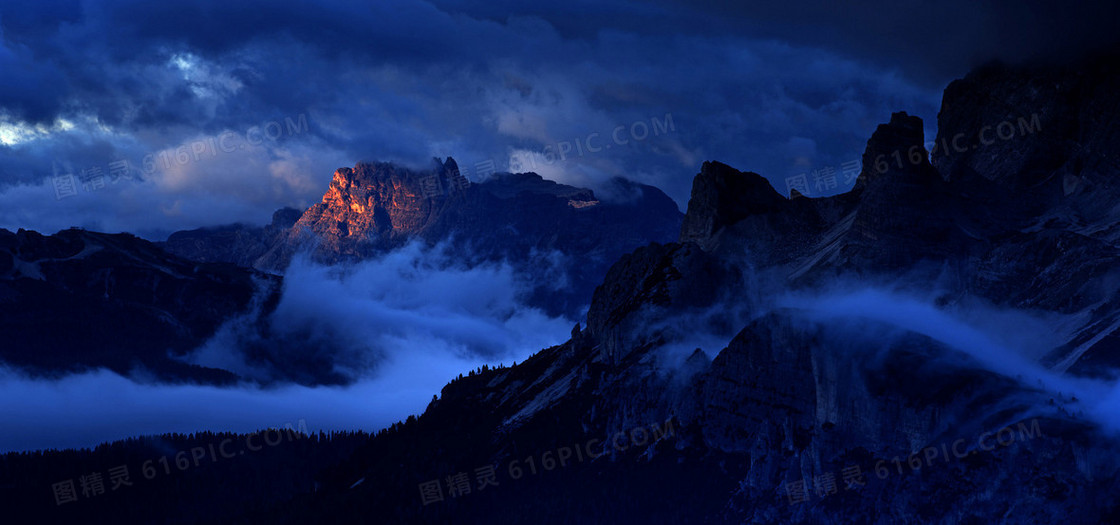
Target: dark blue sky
[176, 115]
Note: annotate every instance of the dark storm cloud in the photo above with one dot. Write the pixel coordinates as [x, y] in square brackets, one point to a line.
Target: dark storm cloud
[780, 88]
[932, 40]
[935, 41]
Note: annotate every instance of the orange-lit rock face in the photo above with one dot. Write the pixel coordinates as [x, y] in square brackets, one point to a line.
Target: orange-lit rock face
[562, 233]
[369, 204]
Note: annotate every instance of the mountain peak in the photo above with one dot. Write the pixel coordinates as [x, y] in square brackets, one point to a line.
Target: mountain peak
[723, 196]
[513, 217]
[896, 149]
[447, 167]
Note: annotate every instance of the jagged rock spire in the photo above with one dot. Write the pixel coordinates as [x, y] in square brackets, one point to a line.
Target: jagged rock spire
[895, 149]
[722, 196]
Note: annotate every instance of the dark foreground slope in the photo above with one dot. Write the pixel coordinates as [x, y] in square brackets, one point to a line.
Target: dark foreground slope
[172, 478]
[763, 368]
[797, 416]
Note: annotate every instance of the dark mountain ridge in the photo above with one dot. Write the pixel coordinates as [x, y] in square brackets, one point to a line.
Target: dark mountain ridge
[853, 418]
[78, 300]
[520, 219]
[240, 244]
[722, 378]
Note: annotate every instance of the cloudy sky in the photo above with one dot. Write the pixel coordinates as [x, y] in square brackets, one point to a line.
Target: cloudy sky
[125, 115]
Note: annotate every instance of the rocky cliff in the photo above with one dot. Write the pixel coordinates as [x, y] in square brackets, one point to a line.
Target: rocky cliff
[911, 351]
[562, 238]
[791, 415]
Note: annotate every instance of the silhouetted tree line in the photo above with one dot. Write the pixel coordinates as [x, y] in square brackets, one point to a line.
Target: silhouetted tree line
[171, 478]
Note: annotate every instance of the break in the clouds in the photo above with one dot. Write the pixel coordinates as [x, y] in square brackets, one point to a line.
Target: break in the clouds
[780, 88]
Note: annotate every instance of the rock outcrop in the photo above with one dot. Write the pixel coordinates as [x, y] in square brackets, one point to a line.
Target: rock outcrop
[723, 196]
[706, 388]
[561, 237]
[791, 418]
